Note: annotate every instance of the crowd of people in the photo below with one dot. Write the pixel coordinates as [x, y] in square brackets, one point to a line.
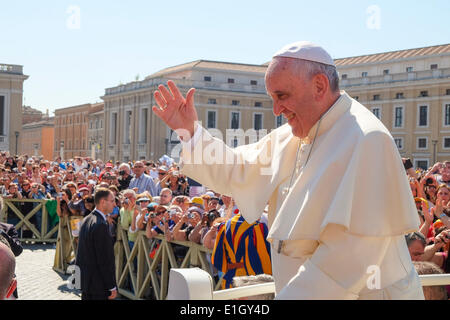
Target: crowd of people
[156, 198]
[153, 197]
[429, 247]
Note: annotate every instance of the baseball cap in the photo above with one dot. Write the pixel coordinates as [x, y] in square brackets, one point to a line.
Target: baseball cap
[197, 201]
[152, 206]
[109, 165]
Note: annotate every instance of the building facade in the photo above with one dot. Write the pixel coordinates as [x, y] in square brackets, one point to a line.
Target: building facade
[11, 97]
[71, 131]
[96, 122]
[228, 96]
[409, 91]
[38, 138]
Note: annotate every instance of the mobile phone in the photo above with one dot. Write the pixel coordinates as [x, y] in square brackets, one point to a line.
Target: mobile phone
[408, 164]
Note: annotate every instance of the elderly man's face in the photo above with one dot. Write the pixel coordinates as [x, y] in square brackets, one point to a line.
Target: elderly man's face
[165, 197]
[138, 168]
[292, 95]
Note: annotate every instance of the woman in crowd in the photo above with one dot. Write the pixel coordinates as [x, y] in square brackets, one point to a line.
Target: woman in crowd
[128, 214]
[177, 184]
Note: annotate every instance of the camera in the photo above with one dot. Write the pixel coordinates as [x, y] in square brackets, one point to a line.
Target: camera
[408, 164]
[181, 180]
[190, 215]
[122, 172]
[429, 181]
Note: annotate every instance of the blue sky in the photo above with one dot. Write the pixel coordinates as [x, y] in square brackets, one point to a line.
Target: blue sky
[117, 40]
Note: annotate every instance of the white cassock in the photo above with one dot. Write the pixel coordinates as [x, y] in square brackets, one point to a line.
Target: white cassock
[342, 223]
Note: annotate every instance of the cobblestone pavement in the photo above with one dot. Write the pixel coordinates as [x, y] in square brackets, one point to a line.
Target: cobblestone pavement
[36, 280]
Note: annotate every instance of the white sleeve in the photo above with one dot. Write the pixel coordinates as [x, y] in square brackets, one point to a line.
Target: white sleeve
[195, 138]
[339, 268]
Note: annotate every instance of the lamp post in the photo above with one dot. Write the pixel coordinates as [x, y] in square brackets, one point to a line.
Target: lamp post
[17, 138]
[434, 150]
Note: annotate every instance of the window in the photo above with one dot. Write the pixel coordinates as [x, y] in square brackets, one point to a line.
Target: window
[127, 131]
[399, 95]
[399, 143]
[409, 69]
[447, 115]
[257, 121]
[211, 116]
[377, 112]
[212, 101]
[386, 71]
[398, 117]
[423, 116]
[422, 163]
[253, 82]
[344, 76]
[235, 102]
[235, 120]
[112, 133]
[230, 80]
[279, 121]
[101, 123]
[376, 97]
[364, 74]
[423, 93]
[2, 115]
[235, 142]
[258, 104]
[207, 78]
[447, 92]
[434, 66]
[422, 143]
[143, 126]
[90, 124]
[447, 143]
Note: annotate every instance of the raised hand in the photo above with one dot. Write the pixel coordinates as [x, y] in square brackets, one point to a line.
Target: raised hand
[176, 111]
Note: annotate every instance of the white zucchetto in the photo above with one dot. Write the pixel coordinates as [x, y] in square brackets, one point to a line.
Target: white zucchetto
[305, 50]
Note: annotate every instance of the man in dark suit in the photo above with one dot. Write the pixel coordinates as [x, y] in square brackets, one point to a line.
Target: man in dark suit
[10, 234]
[95, 255]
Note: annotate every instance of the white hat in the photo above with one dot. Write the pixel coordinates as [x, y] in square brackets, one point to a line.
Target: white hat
[305, 50]
[210, 193]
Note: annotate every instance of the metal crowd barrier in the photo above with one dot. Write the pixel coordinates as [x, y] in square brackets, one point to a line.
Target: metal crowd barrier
[42, 235]
[143, 272]
[66, 244]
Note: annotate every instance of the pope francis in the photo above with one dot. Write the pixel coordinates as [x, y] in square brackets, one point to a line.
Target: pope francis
[339, 199]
